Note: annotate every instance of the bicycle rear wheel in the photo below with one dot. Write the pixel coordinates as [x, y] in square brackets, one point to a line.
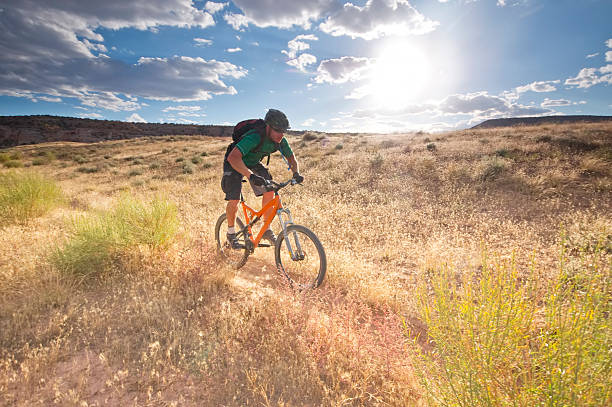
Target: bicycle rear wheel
[300, 257]
[234, 257]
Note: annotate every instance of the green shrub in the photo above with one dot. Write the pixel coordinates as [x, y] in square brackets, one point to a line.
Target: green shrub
[13, 164]
[502, 153]
[134, 173]
[206, 165]
[339, 146]
[154, 166]
[187, 168]
[497, 342]
[196, 160]
[97, 242]
[25, 195]
[88, 170]
[204, 154]
[492, 169]
[4, 157]
[309, 136]
[431, 147]
[179, 160]
[79, 159]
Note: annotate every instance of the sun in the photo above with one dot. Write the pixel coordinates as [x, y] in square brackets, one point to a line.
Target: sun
[400, 74]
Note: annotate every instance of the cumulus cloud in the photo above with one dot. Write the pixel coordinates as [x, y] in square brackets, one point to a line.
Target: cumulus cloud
[202, 41]
[544, 86]
[609, 43]
[233, 50]
[50, 47]
[341, 70]
[609, 56]
[213, 7]
[281, 14]
[135, 118]
[378, 18]
[296, 46]
[555, 102]
[182, 108]
[588, 77]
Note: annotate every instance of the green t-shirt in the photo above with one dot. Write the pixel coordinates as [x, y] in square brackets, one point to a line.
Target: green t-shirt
[251, 139]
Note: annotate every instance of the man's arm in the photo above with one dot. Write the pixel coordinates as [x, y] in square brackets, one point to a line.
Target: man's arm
[293, 164]
[235, 160]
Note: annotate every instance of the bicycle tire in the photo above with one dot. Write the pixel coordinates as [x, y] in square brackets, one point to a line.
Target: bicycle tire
[307, 272]
[234, 257]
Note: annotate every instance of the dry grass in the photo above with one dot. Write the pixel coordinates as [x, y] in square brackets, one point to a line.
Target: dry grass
[175, 327]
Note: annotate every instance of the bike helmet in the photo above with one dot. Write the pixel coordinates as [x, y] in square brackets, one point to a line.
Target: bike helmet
[277, 120]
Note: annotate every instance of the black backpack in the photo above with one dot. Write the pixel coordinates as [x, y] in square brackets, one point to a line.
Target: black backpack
[243, 128]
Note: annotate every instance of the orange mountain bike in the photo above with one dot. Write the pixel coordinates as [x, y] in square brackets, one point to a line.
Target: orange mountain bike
[298, 252]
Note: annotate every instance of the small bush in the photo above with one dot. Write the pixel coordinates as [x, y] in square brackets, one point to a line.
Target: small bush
[502, 153]
[79, 159]
[88, 170]
[179, 160]
[309, 136]
[339, 146]
[187, 168]
[204, 154]
[99, 241]
[13, 164]
[196, 160]
[206, 165]
[26, 195]
[492, 169]
[134, 173]
[4, 157]
[431, 147]
[154, 166]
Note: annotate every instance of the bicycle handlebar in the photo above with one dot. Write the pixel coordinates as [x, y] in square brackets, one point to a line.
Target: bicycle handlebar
[275, 186]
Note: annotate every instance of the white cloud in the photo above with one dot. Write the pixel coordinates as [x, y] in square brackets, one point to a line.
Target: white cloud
[592, 55]
[609, 43]
[341, 70]
[48, 48]
[302, 62]
[182, 108]
[281, 14]
[544, 86]
[308, 122]
[91, 115]
[135, 118]
[50, 99]
[297, 45]
[378, 18]
[233, 50]
[555, 102]
[588, 77]
[202, 41]
[213, 7]
[609, 56]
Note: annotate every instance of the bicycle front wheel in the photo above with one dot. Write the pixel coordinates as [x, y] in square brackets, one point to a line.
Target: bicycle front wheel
[234, 257]
[300, 257]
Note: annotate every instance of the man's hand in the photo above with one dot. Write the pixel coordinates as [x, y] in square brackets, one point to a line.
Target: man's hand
[298, 178]
[257, 180]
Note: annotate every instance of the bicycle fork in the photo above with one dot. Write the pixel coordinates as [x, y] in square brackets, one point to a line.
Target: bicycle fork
[299, 253]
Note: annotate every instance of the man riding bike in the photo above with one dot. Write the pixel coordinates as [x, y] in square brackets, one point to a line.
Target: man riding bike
[244, 160]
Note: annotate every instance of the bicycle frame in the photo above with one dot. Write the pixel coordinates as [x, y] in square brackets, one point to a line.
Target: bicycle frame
[252, 217]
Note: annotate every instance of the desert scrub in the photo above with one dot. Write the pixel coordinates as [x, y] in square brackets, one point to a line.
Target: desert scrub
[496, 341]
[97, 241]
[25, 195]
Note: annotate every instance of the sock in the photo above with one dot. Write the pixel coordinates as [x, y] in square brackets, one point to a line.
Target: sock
[231, 230]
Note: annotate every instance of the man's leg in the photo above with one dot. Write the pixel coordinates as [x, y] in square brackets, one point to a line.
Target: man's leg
[230, 211]
[267, 197]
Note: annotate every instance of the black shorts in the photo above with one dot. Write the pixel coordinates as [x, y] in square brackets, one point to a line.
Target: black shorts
[231, 182]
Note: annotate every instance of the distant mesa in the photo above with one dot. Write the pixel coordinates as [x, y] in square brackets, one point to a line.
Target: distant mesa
[19, 130]
[534, 121]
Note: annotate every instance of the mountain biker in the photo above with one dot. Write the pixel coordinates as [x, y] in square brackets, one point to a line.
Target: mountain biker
[244, 160]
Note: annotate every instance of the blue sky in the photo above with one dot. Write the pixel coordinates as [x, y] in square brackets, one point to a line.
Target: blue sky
[330, 65]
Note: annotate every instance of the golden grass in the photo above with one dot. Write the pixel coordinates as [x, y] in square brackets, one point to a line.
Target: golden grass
[175, 327]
